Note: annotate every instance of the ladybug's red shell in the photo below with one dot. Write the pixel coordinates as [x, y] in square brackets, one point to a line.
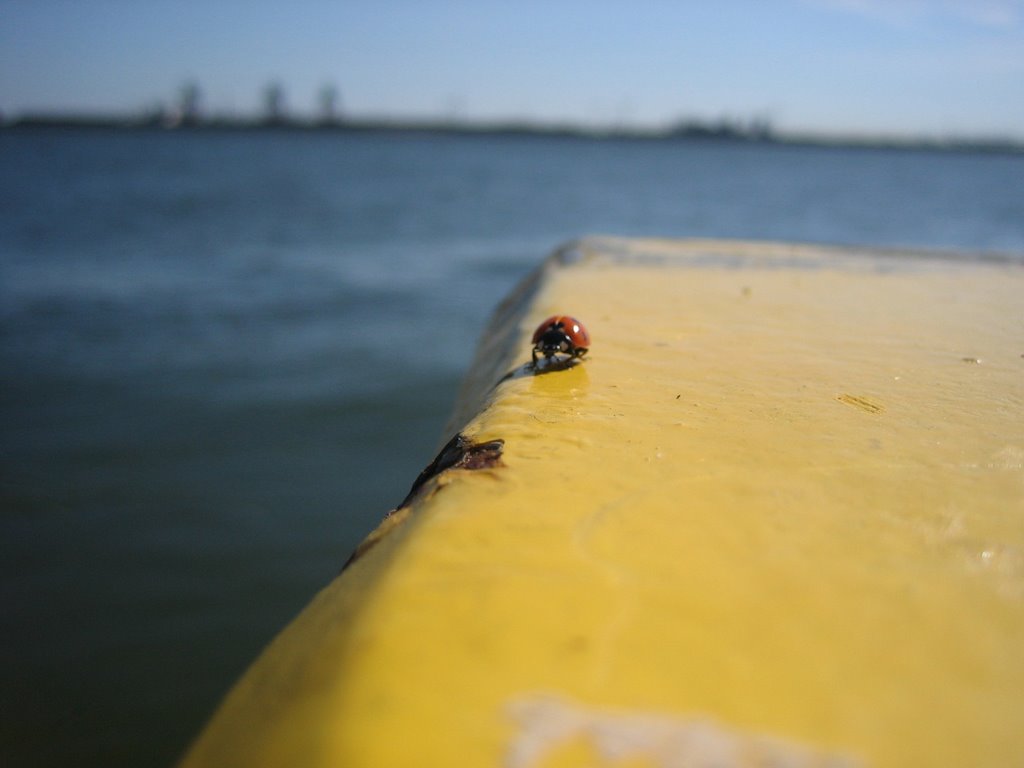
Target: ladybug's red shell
[572, 327]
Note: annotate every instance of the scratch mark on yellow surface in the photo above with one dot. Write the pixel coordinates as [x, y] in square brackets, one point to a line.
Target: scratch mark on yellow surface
[859, 401]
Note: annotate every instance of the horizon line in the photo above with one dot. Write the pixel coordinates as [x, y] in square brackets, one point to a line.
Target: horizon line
[755, 130]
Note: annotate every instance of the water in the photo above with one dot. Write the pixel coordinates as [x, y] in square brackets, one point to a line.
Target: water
[224, 356]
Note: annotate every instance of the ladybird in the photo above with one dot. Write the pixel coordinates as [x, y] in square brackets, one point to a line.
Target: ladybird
[560, 334]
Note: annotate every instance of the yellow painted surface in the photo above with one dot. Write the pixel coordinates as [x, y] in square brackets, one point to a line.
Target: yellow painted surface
[776, 514]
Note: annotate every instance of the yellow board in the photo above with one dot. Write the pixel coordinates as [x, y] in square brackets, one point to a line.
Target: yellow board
[775, 517]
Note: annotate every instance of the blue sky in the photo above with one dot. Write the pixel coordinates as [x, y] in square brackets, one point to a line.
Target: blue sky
[878, 67]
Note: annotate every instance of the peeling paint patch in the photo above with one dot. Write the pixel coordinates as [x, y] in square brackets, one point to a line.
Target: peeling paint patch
[553, 729]
[859, 401]
[458, 453]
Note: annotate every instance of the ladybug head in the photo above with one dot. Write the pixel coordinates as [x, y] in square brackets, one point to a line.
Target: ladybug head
[553, 340]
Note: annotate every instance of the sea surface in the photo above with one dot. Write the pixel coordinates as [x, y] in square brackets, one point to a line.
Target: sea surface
[224, 356]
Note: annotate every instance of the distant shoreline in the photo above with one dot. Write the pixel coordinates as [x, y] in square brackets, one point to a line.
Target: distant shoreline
[691, 132]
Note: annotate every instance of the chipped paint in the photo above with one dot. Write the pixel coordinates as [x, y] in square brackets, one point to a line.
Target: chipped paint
[550, 726]
[458, 453]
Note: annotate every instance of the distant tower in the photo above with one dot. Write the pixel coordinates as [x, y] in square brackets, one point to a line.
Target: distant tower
[328, 105]
[188, 105]
[273, 104]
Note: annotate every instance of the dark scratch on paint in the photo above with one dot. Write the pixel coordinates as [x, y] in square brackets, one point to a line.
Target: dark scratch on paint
[859, 401]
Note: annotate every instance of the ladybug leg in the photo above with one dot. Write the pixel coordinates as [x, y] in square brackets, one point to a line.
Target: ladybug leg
[579, 352]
